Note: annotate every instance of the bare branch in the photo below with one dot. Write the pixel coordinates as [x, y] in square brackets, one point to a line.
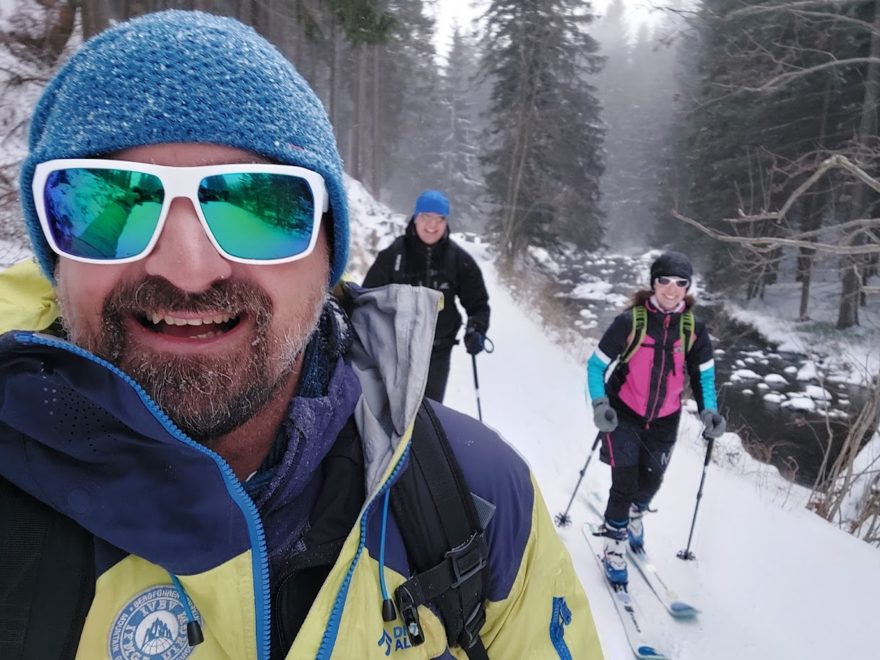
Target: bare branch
[835, 162]
[797, 5]
[785, 78]
[761, 244]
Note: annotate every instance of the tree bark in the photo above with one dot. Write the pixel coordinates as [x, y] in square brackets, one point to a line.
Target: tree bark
[850, 296]
[375, 126]
[95, 17]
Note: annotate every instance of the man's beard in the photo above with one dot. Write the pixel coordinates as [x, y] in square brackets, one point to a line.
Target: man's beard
[207, 396]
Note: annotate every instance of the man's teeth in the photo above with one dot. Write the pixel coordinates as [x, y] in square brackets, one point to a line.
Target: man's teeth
[174, 320]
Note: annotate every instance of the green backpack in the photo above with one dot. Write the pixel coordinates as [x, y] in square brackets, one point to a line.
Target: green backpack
[640, 327]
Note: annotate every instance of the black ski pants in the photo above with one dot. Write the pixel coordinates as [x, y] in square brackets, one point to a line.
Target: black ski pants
[638, 454]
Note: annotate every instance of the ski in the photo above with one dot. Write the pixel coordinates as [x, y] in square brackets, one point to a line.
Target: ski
[667, 597]
[625, 605]
[677, 608]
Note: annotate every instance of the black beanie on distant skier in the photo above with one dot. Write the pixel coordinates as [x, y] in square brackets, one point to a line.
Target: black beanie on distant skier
[672, 264]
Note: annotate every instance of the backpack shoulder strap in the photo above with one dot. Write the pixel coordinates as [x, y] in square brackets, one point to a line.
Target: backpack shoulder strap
[637, 334]
[443, 534]
[687, 330]
[47, 578]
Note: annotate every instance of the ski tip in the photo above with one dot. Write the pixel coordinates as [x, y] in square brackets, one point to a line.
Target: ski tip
[650, 653]
[682, 610]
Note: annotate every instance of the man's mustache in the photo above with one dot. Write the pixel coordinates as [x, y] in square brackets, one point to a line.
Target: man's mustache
[153, 294]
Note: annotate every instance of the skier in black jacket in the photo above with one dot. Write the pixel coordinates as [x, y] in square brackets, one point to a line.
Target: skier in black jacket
[426, 256]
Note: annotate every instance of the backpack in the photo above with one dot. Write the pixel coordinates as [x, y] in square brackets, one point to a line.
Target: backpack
[640, 326]
[442, 526]
[45, 559]
[49, 560]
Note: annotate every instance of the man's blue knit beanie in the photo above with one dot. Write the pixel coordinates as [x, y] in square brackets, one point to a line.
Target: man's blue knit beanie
[184, 76]
[432, 201]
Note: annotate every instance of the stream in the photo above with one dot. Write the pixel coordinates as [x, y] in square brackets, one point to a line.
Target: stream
[788, 408]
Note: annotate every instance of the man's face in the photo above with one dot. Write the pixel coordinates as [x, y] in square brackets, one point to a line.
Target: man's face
[210, 340]
[430, 227]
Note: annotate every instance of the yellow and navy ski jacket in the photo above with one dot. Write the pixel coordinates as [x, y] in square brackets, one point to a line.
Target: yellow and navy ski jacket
[177, 538]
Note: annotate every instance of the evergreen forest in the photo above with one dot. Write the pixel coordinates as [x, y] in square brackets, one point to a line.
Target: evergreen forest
[746, 130]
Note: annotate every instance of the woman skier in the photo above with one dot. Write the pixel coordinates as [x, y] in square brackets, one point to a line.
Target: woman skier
[655, 341]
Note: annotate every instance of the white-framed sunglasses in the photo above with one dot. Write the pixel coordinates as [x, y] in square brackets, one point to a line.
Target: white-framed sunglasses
[103, 211]
[680, 282]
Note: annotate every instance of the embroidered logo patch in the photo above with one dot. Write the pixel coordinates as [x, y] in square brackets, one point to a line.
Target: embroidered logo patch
[151, 626]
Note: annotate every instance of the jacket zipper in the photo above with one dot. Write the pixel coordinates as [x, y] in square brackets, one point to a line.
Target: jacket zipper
[666, 318]
[328, 641]
[429, 252]
[260, 560]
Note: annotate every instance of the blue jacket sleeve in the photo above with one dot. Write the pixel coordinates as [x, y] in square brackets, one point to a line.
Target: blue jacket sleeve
[701, 369]
[610, 346]
[596, 367]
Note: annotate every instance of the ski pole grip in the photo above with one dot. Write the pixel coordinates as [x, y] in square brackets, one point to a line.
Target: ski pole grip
[710, 442]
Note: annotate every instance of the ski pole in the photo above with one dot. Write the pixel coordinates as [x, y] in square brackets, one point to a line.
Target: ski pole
[489, 347]
[686, 554]
[477, 387]
[562, 519]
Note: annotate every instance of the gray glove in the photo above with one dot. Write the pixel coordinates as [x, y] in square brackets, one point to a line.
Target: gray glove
[604, 416]
[713, 423]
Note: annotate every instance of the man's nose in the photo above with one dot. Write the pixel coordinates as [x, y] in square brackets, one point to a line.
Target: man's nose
[184, 255]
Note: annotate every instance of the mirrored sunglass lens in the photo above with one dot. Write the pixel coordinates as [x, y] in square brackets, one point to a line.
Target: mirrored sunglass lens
[257, 215]
[102, 214]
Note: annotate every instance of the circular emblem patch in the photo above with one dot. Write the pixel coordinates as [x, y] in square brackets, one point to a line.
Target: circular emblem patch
[151, 626]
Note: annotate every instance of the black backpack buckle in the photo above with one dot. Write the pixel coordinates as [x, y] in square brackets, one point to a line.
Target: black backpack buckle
[409, 612]
[468, 559]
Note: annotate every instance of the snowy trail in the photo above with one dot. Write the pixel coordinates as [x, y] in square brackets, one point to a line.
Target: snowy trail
[773, 580]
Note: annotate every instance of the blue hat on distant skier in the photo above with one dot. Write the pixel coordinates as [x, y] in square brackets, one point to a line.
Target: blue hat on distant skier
[672, 264]
[184, 76]
[432, 201]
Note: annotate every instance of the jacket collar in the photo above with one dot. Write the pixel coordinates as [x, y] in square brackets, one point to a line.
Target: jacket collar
[654, 306]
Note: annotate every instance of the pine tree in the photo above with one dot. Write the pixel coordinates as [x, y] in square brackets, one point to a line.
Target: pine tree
[543, 148]
[638, 92]
[459, 136]
[411, 106]
[752, 138]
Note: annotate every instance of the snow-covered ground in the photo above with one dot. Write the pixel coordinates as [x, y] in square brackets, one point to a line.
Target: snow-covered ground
[773, 580]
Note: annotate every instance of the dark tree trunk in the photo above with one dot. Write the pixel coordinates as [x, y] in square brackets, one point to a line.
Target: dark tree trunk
[850, 296]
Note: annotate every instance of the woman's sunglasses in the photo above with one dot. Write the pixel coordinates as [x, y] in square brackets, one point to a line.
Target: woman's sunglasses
[680, 282]
[112, 211]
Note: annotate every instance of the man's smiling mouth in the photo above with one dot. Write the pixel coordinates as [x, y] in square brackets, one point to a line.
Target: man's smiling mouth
[207, 326]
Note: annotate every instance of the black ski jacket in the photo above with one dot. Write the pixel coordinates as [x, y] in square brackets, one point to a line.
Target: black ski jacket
[445, 267]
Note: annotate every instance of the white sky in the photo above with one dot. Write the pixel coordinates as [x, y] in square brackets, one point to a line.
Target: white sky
[448, 13]
[773, 580]
[466, 12]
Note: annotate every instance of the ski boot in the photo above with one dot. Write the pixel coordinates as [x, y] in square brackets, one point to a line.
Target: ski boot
[635, 530]
[614, 555]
